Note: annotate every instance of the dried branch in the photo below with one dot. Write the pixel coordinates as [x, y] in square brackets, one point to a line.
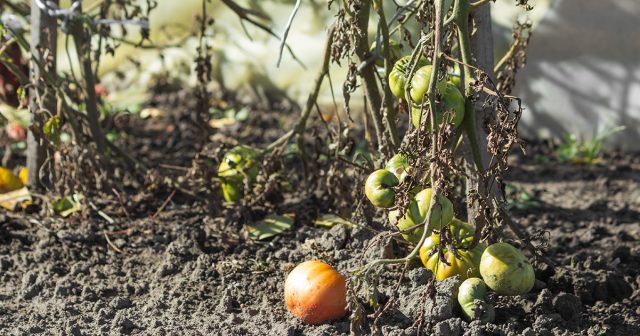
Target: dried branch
[247, 14]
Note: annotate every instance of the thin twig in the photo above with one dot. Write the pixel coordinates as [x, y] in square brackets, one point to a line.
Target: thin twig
[283, 41]
[121, 201]
[164, 204]
[115, 248]
[300, 126]
[521, 235]
[245, 15]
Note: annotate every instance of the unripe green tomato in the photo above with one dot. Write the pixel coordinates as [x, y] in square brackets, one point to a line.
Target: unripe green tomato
[455, 80]
[506, 270]
[398, 165]
[395, 51]
[237, 165]
[468, 263]
[441, 214]
[471, 297]
[450, 109]
[398, 75]
[379, 188]
[420, 83]
[454, 76]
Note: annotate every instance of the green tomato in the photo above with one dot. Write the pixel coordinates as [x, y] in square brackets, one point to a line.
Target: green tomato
[237, 165]
[379, 188]
[453, 76]
[506, 270]
[471, 297]
[398, 165]
[467, 265]
[420, 83]
[395, 52]
[441, 214]
[450, 109]
[455, 80]
[398, 75]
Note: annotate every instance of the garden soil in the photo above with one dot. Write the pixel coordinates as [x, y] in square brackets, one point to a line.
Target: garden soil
[158, 262]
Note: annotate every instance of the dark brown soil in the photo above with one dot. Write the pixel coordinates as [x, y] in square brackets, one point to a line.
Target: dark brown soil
[185, 270]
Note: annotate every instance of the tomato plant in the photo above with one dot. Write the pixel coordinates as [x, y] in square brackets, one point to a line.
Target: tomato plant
[462, 261]
[506, 270]
[315, 293]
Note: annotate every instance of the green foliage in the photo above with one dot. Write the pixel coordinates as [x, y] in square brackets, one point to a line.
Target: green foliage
[578, 151]
[52, 130]
[521, 199]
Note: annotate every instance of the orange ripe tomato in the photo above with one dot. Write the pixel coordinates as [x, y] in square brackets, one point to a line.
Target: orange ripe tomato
[315, 292]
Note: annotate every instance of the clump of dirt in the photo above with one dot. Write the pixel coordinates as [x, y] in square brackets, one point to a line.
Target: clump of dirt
[171, 265]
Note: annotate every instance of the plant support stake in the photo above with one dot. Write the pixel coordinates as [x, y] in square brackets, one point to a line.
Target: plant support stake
[43, 51]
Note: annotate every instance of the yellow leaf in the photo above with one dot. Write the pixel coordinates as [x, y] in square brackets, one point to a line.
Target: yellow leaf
[331, 220]
[14, 199]
[152, 112]
[270, 226]
[222, 122]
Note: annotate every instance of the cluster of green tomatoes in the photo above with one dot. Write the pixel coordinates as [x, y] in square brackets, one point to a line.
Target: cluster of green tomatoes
[452, 104]
[500, 266]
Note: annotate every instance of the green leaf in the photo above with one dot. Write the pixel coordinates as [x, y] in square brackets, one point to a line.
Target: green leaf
[242, 115]
[68, 205]
[51, 130]
[331, 220]
[270, 226]
[22, 93]
[112, 136]
[525, 196]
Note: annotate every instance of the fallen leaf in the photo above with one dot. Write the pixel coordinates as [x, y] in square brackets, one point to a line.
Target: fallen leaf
[14, 199]
[221, 122]
[331, 220]
[152, 112]
[270, 226]
[68, 205]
